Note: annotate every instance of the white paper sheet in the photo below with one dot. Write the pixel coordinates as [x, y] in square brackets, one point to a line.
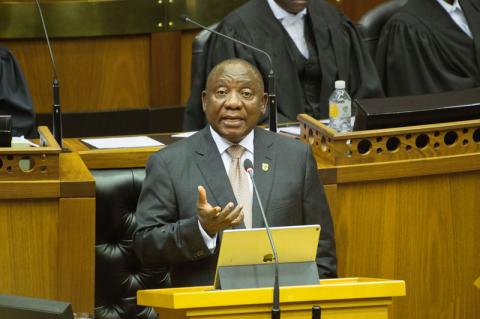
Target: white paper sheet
[122, 142]
[184, 134]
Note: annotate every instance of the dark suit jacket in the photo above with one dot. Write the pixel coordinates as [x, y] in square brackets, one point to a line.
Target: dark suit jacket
[168, 233]
[340, 51]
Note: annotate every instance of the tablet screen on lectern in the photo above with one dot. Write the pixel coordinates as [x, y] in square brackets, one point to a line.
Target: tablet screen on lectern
[251, 246]
[240, 248]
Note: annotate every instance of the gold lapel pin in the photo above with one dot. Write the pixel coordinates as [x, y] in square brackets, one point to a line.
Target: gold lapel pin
[265, 167]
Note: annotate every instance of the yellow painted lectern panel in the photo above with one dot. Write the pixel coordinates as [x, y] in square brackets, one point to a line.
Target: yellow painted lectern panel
[339, 299]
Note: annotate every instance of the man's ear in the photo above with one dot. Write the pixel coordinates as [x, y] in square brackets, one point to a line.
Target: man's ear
[264, 102]
[204, 104]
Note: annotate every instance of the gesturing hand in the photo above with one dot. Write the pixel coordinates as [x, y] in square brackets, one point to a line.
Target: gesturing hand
[215, 219]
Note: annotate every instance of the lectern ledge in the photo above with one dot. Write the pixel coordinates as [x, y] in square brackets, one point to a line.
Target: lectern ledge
[342, 298]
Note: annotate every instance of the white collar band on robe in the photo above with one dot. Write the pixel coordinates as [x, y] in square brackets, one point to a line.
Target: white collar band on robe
[455, 11]
[293, 24]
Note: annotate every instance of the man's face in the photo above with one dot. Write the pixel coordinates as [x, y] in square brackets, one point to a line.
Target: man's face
[233, 101]
[292, 6]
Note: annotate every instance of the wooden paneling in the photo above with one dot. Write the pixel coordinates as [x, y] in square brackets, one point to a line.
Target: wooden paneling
[95, 74]
[331, 194]
[28, 264]
[76, 224]
[165, 61]
[423, 230]
[29, 189]
[39, 255]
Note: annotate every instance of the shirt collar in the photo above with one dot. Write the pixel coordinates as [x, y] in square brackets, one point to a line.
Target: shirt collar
[223, 144]
[281, 13]
[450, 8]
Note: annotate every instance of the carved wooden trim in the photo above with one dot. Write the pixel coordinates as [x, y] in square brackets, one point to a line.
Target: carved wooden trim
[422, 141]
[34, 163]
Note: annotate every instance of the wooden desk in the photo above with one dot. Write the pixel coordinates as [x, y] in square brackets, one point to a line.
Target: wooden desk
[47, 226]
[410, 214]
[118, 157]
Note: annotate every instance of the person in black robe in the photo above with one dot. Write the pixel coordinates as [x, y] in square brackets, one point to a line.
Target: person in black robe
[336, 52]
[422, 50]
[15, 99]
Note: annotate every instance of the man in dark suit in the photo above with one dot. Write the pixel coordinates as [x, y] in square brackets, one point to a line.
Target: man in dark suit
[187, 198]
[311, 43]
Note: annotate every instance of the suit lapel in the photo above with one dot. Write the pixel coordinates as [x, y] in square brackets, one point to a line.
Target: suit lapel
[264, 169]
[209, 161]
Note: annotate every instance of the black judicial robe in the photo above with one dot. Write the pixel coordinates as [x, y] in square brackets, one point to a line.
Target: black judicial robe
[15, 98]
[340, 51]
[422, 50]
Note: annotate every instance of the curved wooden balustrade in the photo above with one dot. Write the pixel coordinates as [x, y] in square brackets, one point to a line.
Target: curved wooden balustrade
[385, 145]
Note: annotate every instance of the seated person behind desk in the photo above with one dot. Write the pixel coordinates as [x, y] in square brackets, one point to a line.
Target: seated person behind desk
[187, 198]
[311, 45]
[431, 46]
[15, 99]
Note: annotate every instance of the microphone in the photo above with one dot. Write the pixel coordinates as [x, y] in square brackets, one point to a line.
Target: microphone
[248, 165]
[57, 113]
[272, 98]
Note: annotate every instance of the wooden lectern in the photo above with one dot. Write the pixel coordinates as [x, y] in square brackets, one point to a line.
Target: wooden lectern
[360, 298]
[405, 204]
[47, 224]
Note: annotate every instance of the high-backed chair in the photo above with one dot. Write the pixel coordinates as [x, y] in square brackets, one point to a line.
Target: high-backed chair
[371, 23]
[118, 272]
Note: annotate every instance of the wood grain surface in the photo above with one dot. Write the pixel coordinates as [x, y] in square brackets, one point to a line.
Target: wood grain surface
[423, 230]
[95, 74]
[47, 236]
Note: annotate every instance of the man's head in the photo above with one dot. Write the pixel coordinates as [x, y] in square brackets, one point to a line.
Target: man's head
[292, 6]
[234, 99]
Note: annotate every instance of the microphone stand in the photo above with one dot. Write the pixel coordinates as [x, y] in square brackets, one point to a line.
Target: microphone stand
[275, 314]
[272, 99]
[57, 113]
[272, 102]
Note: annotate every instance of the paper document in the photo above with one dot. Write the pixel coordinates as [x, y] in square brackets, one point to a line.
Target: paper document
[21, 141]
[184, 134]
[122, 142]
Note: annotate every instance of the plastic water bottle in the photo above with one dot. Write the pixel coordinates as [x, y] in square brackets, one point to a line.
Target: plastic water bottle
[340, 108]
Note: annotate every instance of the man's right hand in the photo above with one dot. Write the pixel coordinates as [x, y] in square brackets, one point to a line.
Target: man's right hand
[216, 219]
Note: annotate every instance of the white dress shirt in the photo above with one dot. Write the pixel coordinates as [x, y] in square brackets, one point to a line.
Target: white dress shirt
[293, 24]
[456, 13]
[223, 145]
